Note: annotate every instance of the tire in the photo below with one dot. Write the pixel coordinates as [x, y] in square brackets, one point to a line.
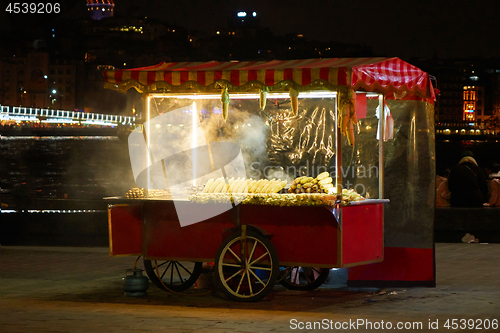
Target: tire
[246, 282]
[303, 278]
[174, 275]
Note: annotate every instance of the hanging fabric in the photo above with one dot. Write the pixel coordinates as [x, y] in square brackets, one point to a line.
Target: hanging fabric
[389, 123]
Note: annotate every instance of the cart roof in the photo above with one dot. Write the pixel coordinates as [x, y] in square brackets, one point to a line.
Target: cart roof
[371, 74]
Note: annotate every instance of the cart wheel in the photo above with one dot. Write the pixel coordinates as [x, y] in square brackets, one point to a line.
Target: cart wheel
[303, 278]
[174, 275]
[246, 277]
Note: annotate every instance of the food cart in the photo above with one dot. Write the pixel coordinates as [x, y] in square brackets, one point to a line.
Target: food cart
[232, 121]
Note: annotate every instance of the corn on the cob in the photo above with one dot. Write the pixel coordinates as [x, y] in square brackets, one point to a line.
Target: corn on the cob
[214, 185]
[226, 186]
[219, 187]
[253, 186]
[268, 184]
[326, 180]
[261, 186]
[242, 186]
[207, 186]
[262, 100]
[323, 175]
[225, 103]
[294, 98]
[233, 185]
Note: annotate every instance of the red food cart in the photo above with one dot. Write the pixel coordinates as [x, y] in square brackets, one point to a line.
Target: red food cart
[315, 107]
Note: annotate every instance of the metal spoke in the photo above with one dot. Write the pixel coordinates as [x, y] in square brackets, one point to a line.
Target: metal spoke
[163, 263]
[172, 275]
[166, 269]
[178, 273]
[182, 266]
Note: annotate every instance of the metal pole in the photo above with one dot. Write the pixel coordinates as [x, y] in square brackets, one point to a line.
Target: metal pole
[338, 150]
[381, 131]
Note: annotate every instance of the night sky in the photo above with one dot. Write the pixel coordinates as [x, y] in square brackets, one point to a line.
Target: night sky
[423, 28]
[450, 28]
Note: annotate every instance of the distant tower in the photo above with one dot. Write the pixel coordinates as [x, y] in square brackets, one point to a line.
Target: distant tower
[99, 9]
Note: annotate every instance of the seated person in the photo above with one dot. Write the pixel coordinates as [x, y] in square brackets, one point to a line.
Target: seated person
[467, 183]
[443, 194]
[494, 185]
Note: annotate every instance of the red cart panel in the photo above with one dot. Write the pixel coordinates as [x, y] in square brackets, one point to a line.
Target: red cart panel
[125, 229]
[304, 236]
[362, 234]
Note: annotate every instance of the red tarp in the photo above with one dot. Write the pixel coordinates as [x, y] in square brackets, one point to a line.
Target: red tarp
[382, 74]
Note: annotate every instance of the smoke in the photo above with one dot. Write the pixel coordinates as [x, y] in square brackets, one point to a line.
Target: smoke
[242, 127]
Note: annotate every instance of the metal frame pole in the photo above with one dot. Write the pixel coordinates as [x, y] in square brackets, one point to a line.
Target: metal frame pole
[381, 132]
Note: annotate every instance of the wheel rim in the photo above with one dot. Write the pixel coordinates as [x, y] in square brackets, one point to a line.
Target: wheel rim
[245, 275]
[173, 275]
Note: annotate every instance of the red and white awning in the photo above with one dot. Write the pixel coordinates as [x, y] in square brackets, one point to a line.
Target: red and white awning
[370, 74]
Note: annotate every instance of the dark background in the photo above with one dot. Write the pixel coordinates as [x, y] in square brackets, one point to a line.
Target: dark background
[424, 28]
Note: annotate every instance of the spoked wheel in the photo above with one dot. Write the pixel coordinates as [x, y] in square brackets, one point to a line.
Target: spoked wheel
[303, 278]
[246, 269]
[174, 275]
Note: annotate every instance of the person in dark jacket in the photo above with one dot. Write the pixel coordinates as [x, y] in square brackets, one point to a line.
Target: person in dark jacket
[467, 183]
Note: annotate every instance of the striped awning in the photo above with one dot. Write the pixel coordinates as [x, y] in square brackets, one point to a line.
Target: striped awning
[370, 74]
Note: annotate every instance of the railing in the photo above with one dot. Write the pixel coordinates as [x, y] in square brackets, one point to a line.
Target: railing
[64, 115]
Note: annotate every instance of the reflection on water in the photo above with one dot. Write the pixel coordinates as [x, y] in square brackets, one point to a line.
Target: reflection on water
[64, 167]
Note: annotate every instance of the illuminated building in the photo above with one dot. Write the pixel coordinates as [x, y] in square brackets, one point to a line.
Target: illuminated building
[473, 102]
[99, 9]
[23, 81]
[62, 80]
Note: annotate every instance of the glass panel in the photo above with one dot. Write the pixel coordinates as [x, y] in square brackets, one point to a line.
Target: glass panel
[274, 143]
[360, 161]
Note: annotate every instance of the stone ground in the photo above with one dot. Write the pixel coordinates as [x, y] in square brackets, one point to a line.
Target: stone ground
[63, 289]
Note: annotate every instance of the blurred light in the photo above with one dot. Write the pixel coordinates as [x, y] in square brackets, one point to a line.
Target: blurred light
[242, 14]
[45, 76]
[254, 14]
[54, 91]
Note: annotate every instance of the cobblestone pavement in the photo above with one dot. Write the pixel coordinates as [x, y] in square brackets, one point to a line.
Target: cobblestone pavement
[44, 289]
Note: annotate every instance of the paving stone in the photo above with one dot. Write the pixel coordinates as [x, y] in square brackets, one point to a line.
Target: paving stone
[76, 290]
